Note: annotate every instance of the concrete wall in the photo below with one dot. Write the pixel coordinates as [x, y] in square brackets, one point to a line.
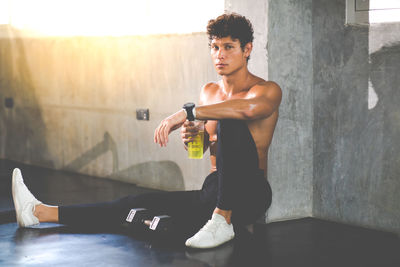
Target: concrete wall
[334, 153]
[75, 101]
[290, 65]
[356, 119]
[257, 12]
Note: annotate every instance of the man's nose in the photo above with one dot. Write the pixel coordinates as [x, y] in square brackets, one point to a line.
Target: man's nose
[221, 53]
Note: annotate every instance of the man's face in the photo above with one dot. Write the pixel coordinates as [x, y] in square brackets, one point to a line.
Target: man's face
[228, 56]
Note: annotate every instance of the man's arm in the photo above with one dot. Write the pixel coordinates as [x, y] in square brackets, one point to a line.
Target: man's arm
[261, 102]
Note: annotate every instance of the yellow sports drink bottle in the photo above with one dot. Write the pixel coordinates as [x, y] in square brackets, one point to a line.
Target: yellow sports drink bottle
[195, 147]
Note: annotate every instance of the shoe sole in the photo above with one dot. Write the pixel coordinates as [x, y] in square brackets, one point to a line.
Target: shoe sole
[213, 246]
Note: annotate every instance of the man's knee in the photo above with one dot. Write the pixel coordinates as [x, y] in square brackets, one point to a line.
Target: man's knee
[230, 131]
[229, 124]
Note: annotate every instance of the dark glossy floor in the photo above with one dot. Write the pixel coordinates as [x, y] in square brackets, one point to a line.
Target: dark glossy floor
[303, 242]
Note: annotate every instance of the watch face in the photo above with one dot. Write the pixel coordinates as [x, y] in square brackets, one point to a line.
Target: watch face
[189, 105]
[189, 111]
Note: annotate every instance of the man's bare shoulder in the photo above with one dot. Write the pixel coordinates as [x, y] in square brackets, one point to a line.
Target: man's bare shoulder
[266, 86]
[263, 87]
[209, 92]
[211, 87]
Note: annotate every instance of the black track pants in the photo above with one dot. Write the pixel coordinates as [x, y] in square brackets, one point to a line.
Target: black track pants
[237, 185]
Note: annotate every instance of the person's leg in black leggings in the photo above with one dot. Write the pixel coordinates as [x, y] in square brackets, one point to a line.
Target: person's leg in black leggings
[242, 186]
[243, 191]
[189, 209]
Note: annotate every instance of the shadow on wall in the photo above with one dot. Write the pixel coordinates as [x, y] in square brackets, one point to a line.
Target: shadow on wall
[23, 129]
[385, 80]
[108, 144]
[165, 175]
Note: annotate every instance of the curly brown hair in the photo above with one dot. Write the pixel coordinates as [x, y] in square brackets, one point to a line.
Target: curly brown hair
[231, 24]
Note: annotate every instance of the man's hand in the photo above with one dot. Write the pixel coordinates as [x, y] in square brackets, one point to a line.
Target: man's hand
[188, 131]
[168, 125]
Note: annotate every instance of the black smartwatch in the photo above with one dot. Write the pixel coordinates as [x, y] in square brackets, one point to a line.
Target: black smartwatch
[189, 111]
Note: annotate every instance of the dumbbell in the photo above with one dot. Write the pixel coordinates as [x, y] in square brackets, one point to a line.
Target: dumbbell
[160, 223]
[135, 221]
[139, 219]
[138, 215]
[164, 228]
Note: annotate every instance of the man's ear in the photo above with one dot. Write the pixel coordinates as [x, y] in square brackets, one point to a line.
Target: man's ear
[247, 49]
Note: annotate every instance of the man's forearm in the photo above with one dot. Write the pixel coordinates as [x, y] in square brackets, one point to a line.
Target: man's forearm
[240, 109]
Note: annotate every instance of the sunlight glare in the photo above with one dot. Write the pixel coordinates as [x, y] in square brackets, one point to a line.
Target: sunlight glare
[4, 12]
[114, 18]
[372, 96]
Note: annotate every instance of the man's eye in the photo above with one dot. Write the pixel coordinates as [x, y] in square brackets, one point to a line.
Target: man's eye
[229, 47]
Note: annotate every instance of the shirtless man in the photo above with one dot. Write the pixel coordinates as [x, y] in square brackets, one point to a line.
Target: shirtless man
[240, 95]
[240, 111]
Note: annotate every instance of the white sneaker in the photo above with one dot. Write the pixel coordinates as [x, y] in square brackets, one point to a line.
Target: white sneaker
[24, 201]
[216, 232]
